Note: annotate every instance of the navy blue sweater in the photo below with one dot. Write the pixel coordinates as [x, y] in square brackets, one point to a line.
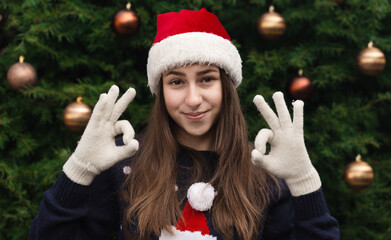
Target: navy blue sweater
[71, 211]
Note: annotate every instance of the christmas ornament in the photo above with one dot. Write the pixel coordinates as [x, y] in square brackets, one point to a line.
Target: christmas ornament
[271, 25]
[371, 61]
[358, 174]
[21, 75]
[125, 22]
[76, 115]
[300, 87]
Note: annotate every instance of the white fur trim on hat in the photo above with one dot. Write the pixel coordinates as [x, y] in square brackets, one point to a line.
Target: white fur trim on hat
[181, 235]
[189, 48]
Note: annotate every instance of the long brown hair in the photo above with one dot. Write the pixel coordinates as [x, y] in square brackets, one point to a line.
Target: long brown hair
[243, 190]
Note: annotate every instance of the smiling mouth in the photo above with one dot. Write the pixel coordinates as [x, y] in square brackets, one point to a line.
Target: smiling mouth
[195, 116]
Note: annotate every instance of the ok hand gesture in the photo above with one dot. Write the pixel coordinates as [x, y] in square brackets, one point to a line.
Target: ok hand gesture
[97, 150]
[288, 158]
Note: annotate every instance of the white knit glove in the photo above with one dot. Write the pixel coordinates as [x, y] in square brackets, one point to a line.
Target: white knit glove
[96, 150]
[288, 158]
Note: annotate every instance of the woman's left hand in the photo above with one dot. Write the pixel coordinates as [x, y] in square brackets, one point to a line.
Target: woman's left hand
[288, 158]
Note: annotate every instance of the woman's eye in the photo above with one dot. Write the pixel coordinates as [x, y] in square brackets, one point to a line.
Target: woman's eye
[175, 82]
[207, 79]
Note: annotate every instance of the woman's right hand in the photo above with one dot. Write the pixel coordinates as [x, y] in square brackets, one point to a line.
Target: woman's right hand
[96, 150]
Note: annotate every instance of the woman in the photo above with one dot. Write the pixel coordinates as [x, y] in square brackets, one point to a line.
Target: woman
[192, 177]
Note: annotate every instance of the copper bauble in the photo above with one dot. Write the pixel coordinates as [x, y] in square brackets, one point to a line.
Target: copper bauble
[271, 25]
[301, 87]
[76, 115]
[125, 22]
[371, 61]
[21, 75]
[358, 174]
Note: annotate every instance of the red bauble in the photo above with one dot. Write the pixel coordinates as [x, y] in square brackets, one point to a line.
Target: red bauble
[125, 22]
[301, 87]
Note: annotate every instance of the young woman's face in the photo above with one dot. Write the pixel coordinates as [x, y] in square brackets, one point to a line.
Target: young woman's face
[193, 96]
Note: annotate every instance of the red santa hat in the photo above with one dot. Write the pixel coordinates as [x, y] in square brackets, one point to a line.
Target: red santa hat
[193, 224]
[191, 37]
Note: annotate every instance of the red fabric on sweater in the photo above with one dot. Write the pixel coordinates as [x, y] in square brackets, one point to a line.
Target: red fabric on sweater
[195, 221]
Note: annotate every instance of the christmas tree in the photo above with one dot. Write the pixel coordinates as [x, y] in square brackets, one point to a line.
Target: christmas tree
[75, 52]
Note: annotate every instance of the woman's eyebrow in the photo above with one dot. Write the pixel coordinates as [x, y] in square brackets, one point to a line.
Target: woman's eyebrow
[175, 73]
[206, 71]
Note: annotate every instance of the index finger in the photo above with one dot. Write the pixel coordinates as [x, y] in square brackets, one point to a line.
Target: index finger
[122, 103]
[267, 113]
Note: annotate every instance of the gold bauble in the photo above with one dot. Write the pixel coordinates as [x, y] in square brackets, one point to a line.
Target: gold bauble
[76, 115]
[271, 25]
[358, 174]
[21, 75]
[371, 61]
[125, 22]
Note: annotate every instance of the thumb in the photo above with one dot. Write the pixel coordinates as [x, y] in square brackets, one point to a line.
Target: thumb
[263, 161]
[256, 157]
[127, 150]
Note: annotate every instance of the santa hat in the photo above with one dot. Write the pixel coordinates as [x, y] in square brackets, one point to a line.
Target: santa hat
[191, 37]
[193, 224]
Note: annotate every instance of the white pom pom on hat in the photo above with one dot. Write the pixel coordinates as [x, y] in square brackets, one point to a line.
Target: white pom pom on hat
[200, 196]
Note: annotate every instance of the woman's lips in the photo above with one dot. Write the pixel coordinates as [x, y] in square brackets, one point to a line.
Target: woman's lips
[195, 116]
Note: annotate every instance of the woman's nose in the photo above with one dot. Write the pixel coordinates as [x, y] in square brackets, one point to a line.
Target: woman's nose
[194, 97]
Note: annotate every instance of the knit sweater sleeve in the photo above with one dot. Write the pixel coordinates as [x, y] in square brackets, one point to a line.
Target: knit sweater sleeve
[312, 218]
[72, 211]
[304, 217]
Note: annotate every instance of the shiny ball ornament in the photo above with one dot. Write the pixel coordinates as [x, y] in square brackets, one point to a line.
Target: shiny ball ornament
[271, 25]
[371, 61]
[301, 87]
[358, 174]
[21, 75]
[125, 22]
[76, 115]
